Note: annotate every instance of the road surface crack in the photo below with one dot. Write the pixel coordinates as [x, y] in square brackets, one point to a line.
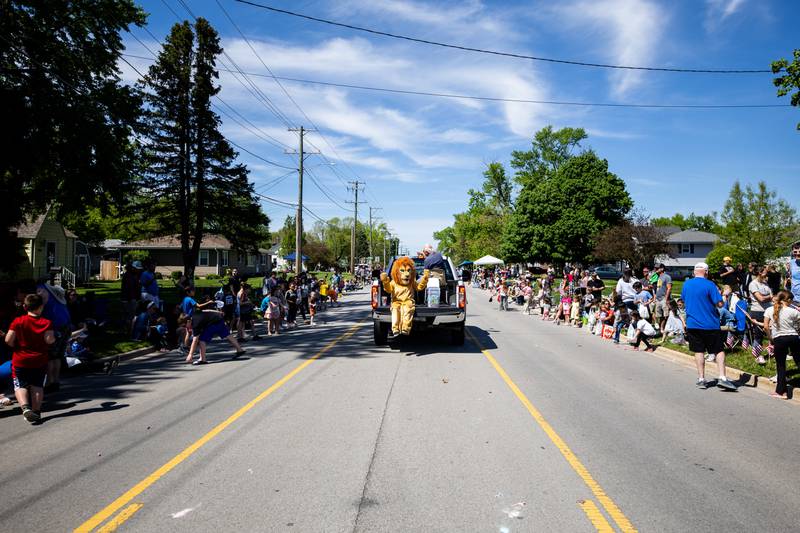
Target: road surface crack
[365, 502]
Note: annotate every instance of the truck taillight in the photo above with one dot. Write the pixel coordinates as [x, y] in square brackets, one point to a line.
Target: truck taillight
[462, 296]
[375, 290]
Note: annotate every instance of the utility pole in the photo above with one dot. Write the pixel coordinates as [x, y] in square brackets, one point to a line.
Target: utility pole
[298, 221]
[356, 187]
[371, 254]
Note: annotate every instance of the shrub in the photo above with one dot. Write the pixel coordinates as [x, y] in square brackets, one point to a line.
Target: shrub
[159, 275]
[136, 255]
[720, 250]
[213, 276]
[176, 275]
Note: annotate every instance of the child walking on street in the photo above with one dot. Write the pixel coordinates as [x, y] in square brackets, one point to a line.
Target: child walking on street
[30, 336]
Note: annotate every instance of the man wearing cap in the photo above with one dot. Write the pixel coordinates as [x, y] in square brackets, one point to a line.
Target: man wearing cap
[624, 289]
[702, 300]
[663, 294]
[727, 274]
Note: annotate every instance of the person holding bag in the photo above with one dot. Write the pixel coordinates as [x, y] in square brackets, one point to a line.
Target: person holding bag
[782, 323]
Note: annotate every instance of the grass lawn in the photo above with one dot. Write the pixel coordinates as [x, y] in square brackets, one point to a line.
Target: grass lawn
[115, 338]
[610, 284]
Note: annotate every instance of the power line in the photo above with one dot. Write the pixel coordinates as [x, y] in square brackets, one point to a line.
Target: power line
[289, 96]
[275, 181]
[264, 159]
[316, 183]
[505, 54]
[259, 94]
[516, 100]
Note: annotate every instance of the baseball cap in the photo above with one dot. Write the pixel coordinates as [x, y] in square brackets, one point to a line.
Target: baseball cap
[726, 258]
[137, 265]
[701, 266]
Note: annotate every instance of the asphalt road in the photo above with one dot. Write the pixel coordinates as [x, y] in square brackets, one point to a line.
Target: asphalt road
[548, 429]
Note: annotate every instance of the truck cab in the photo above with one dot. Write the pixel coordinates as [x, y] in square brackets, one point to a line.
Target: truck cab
[448, 315]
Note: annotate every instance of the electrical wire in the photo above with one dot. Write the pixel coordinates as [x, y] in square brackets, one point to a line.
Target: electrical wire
[516, 100]
[505, 54]
[265, 160]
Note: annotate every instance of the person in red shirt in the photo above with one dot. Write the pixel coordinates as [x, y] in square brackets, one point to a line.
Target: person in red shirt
[30, 336]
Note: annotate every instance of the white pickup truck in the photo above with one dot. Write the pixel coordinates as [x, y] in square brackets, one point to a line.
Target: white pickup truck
[449, 315]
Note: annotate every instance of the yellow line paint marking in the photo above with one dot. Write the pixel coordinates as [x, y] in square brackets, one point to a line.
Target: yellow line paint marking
[120, 518]
[595, 516]
[140, 487]
[607, 503]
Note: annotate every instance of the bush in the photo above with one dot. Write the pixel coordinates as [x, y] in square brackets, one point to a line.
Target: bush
[159, 275]
[136, 255]
[213, 276]
[176, 275]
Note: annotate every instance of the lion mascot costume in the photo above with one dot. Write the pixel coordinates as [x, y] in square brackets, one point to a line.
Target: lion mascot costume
[403, 287]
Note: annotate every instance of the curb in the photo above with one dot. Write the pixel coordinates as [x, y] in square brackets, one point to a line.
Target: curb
[125, 356]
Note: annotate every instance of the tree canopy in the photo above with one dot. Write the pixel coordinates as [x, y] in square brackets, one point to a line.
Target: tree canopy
[708, 223]
[67, 116]
[757, 222]
[789, 79]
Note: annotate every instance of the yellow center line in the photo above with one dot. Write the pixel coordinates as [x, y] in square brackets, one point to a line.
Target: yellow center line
[140, 487]
[595, 516]
[118, 520]
[607, 503]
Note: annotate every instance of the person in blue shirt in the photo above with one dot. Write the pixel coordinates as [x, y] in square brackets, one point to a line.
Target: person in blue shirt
[57, 312]
[188, 306]
[702, 300]
[149, 285]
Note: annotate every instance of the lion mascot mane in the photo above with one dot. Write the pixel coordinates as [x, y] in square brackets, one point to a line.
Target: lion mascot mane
[403, 287]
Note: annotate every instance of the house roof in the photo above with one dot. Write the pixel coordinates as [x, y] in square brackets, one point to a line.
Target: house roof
[692, 236]
[275, 249]
[173, 242]
[669, 230]
[30, 229]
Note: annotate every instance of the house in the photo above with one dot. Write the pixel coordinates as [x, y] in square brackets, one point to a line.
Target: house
[687, 248]
[217, 256]
[51, 249]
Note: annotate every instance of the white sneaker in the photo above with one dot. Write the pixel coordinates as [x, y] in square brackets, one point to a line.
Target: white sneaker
[760, 360]
[711, 357]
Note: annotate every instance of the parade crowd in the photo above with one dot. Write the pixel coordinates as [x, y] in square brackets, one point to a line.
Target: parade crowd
[756, 308]
[46, 328]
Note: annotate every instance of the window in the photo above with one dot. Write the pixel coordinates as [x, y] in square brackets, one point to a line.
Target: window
[224, 258]
[203, 259]
[250, 260]
[263, 259]
[687, 248]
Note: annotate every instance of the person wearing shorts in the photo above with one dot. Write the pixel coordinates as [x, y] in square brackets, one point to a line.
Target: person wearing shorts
[663, 295]
[30, 336]
[206, 325]
[702, 299]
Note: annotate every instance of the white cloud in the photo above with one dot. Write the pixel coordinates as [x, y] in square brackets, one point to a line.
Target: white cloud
[632, 30]
[719, 10]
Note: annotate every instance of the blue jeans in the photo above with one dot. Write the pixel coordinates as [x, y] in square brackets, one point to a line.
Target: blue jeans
[617, 329]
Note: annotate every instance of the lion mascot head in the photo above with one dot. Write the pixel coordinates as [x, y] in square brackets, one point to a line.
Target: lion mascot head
[403, 271]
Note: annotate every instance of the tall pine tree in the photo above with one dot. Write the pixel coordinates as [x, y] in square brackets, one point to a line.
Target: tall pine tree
[192, 182]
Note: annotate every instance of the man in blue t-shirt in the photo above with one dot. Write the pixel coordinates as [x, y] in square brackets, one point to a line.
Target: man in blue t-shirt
[702, 300]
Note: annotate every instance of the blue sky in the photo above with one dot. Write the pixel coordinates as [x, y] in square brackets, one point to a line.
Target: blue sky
[419, 155]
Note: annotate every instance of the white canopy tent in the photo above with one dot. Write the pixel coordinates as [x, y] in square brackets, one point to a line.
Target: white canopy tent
[488, 260]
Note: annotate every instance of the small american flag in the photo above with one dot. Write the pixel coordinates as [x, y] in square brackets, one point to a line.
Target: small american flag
[756, 350]
[730, 340]
[746, 342]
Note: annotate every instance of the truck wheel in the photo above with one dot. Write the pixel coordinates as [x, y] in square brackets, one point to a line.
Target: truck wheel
[380, 331]
[457, 337]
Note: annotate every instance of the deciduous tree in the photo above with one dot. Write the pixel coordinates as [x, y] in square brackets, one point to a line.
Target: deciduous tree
[636, 241]
[67, 118]
[789, 79]
[758, 222]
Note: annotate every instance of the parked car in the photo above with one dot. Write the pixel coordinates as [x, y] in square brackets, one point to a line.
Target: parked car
[607, 272]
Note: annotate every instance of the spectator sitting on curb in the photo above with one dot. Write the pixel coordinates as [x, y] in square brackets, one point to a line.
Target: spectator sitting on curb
[702, 299]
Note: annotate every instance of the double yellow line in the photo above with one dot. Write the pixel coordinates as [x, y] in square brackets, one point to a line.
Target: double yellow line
[588, 506]
[144, 484]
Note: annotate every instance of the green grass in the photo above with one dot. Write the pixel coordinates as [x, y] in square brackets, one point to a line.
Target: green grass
[677, 286]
